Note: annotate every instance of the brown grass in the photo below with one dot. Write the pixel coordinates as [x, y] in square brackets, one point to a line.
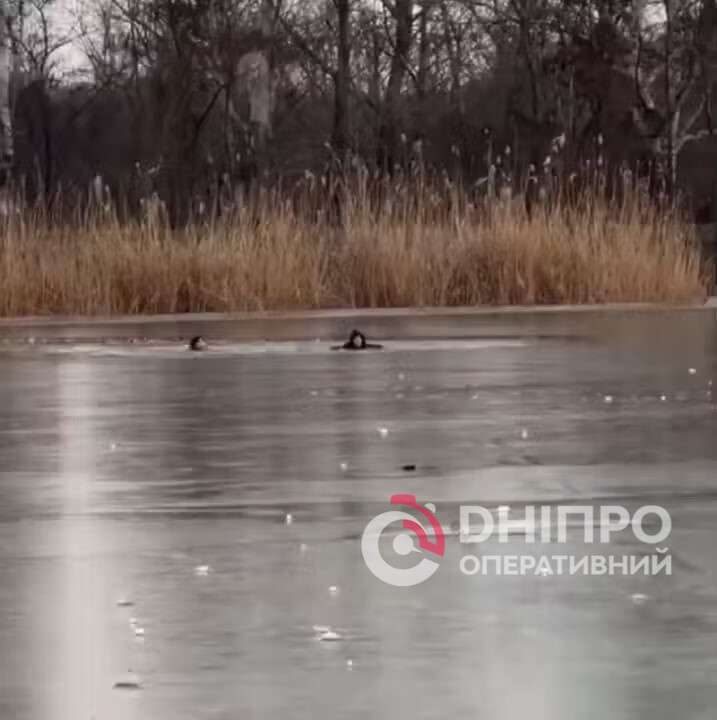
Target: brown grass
[404, 253]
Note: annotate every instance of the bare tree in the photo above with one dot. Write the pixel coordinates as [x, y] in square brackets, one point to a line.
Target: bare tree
[342, 79]
[37, 40]
[6, 66]
[401, 11]
[674, 79]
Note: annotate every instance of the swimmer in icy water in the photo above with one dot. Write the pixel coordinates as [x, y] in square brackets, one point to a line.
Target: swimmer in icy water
[357, 341]
[198, 343]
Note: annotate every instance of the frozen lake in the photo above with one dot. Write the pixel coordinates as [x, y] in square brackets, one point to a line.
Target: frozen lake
[146, 474]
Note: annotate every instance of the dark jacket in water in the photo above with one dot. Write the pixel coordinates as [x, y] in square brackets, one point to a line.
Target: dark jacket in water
[198, 343]
[357, 341]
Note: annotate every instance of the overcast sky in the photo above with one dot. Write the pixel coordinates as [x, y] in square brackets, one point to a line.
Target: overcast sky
[63, 15]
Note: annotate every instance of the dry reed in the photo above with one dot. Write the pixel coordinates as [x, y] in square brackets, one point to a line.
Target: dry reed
[408, 249]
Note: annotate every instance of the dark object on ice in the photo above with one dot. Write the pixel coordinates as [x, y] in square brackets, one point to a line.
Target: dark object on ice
[126, 685]
[129, 682]
[198, 343]
[357, 341]
[408, 468]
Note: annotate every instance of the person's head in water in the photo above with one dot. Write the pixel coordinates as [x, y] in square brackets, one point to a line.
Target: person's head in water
[357, 340]
[198, 343]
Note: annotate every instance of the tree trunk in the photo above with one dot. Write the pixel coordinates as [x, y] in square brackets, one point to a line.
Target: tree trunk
[391, 125]
[453, 51]
[424, 49]
[6, 64]
[341, 130]
[670, 110]
[261, 88]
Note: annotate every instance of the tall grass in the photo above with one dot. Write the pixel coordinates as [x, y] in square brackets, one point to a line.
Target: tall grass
[395, 248]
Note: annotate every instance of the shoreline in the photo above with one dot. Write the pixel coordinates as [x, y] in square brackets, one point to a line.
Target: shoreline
[299, 325]
[347, 313]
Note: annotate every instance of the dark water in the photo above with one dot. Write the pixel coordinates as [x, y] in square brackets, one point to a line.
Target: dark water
[125, 468]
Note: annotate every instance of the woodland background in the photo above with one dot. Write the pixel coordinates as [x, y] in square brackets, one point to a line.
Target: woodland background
[194, 101]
